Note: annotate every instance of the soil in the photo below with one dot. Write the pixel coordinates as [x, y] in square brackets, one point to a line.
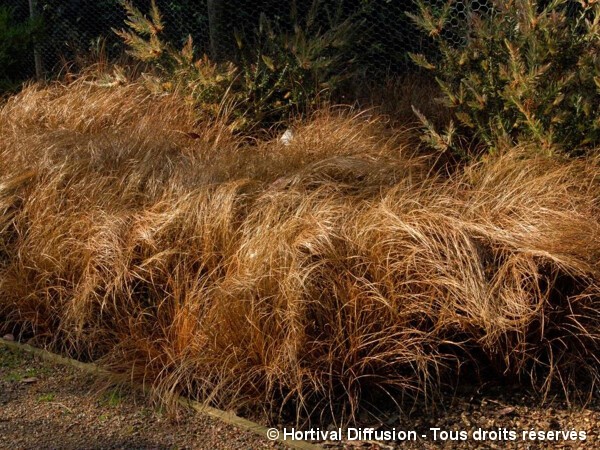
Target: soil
[44, 405]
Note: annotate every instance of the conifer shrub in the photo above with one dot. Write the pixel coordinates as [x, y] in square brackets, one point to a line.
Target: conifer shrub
[527, 71]
[278, 73]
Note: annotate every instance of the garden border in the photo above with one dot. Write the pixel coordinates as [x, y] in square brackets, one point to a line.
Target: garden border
[224, 416]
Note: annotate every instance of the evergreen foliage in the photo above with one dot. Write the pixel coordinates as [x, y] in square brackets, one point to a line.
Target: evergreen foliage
[529, 71]
[281, 73]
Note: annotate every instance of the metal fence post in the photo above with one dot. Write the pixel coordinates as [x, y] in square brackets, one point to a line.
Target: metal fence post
[219, 30]
[37, 57]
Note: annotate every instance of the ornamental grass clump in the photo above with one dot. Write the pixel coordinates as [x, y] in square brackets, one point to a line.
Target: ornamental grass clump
[311, 281]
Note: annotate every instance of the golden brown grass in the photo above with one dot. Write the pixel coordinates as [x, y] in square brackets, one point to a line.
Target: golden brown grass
[315, 277]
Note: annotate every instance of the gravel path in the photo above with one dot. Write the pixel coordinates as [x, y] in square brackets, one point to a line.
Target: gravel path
[499, 411]
[51, 406]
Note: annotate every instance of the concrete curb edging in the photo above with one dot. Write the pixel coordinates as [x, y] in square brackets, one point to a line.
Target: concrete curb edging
[224, 416]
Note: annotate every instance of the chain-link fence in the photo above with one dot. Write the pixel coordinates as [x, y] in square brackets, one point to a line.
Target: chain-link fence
[382, 34]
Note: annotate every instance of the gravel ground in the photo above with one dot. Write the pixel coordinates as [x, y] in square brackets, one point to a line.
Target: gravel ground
[51, 406]
[500, 410]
